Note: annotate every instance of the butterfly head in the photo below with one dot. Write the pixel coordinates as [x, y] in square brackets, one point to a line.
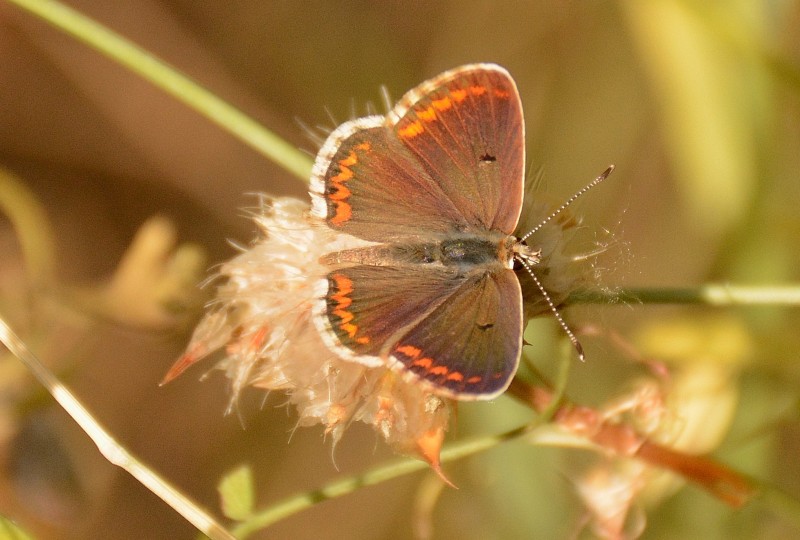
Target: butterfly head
[525, 254]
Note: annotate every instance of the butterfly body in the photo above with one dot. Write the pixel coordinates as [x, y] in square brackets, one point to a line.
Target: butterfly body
[462, 252]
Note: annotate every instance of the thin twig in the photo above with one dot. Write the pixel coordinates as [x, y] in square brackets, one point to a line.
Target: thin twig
[110, 448]
[710, 294]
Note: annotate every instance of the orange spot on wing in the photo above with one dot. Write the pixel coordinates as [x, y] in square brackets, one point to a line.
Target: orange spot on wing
[477, 90]
[459, 95]
[427, 115]
[337, 192]
[502, 94]
[442, 104]
[344, 286]
[424, 363]
[414, 354]
[344, 175]
[344, 283]
[427, 367]
[409, 350]
[411, 130]
[351, 329]
[343, 213]
[344, 315]
[340, 194]
[350, 160]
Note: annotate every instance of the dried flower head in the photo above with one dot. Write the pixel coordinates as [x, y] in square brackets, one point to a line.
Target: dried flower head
[262, 319]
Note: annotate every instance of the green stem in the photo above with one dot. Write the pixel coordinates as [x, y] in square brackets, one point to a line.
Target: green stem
[710, 294]
[376, 475]
[172, 81]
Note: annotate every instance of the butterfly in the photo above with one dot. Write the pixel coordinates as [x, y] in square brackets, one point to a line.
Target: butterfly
[430, 195]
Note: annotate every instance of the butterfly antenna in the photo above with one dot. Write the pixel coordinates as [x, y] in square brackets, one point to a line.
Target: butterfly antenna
[553, 309]
[568, 202]
[527, 259]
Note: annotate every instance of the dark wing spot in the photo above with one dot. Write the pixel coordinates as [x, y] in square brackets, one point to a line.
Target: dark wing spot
[484, 326]
[488, 158]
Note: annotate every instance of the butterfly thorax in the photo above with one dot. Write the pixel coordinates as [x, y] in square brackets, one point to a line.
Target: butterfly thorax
[483, 250]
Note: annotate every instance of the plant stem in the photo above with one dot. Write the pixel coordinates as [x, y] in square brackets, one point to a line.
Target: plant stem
[710, 294]
[376, 475]
[108, 446]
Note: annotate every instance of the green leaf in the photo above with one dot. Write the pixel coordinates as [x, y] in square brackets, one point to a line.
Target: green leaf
[237, 493]
[10, 531]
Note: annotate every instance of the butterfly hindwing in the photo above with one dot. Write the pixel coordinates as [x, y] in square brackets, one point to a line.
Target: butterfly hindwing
[469, 346]
[366, 307]
[462, 334]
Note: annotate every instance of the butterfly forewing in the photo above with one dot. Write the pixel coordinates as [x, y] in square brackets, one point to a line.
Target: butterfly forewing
[375, 189]
[448, 157]
[465, 129]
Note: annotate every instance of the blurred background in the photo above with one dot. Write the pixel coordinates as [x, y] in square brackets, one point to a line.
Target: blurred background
[118, 200]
